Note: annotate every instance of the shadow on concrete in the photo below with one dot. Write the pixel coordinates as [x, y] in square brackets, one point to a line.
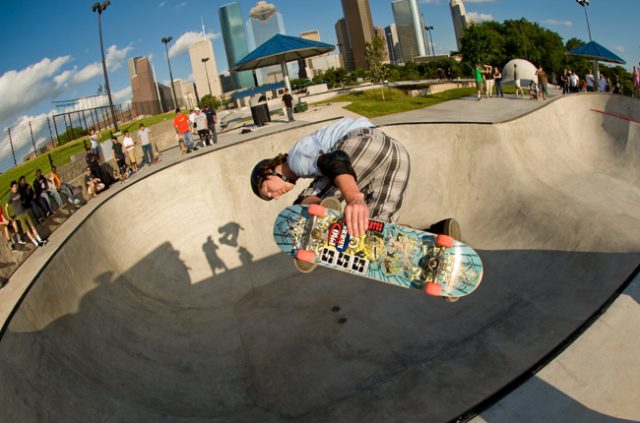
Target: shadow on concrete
[551, 405]
[151, 345]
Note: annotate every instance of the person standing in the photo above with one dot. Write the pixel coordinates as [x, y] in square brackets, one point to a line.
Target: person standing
[497, 76]
[93, 139]
[565, 81]
[478, 75]
[635, 79]
[129, 146]
[590, 80]
[183, 130]
[488, 80]
[20, 215]
[542, 83]
[212, 119]
[574, 81]
[201, 126]
[144, 136]
[516, 79]
[287, 101]
[121, 161]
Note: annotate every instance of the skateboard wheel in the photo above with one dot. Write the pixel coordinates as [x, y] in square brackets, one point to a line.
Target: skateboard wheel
[432, 289]
[316, 210]
[305, 255]
[444, 241]
[451, 299]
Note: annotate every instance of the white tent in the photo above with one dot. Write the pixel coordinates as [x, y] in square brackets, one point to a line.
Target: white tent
[526, 72]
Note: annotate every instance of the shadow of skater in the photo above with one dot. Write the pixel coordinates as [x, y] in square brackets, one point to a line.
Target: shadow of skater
[229, 233]
[210, 249]
[246, 257]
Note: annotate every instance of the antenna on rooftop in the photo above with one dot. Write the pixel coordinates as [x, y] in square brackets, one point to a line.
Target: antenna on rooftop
[204, 34]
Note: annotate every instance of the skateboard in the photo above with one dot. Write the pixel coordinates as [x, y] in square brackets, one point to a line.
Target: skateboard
[398, 255]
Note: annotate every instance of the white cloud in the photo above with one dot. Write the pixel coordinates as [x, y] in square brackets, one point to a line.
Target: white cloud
[619, 49]
[162, 3]
[479, 17]
[121, 96]
[555, 22]
[182, 44]
[115, 57]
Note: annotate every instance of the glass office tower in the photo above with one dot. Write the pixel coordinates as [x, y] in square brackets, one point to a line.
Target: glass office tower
[410, 29]
[235, 42]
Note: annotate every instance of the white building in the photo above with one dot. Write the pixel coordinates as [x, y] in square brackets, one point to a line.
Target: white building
[205, 73]
[459, 17]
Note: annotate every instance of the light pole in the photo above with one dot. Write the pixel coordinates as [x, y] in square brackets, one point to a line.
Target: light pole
[165, 41]
[429, 29]
[584, 4]
[204, 62]
[97, 7]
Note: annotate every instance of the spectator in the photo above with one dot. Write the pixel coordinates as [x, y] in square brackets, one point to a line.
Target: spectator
[574, 82]
[129, 146]
[38, 208]
[41, 187]
[533, 90]
[94, 185]
[16, 202]
[192, 120]
[564, 78]
[98, 171]
[93, 138]
[635, 79]
[181, 123]
[590, 81]
[479, 80]
[212, 119]
[497, 76]
[488, 80]
[144, 135]
[542, 83]
[5, 223]
[516, 79]
[121, 161]
[602, 84]
[63, 187]
[201, 126]
[287, 102]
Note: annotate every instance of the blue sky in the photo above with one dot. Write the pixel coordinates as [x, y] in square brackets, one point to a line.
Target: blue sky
[50, 51]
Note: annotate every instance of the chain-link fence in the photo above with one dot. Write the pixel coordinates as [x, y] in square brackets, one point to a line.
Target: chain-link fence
[27, 139]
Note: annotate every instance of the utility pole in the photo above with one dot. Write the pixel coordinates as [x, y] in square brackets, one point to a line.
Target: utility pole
[204, 62]
[165, 41]
[97, 7]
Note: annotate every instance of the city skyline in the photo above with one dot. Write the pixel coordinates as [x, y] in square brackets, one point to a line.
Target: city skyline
[67, 65]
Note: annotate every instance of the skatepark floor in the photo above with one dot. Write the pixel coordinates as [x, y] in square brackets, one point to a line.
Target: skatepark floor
[165, 299]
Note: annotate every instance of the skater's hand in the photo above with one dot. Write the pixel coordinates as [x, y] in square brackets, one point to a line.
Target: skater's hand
[356, 215]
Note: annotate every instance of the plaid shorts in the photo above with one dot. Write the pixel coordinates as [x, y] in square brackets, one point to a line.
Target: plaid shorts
[382, 167]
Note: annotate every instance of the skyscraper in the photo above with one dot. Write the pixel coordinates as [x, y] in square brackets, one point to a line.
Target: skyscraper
[145, 96]
[264, 22]
[459, 17]
[303, 64]
[359, 23]
[380, 34]
[346, 54]
[393, 47]
[205, 73]
[410, 28]
[235, 42]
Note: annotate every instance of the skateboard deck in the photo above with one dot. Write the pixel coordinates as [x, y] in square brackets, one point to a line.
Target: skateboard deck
[386, 252]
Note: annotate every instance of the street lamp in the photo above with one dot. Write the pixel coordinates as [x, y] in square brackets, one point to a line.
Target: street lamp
[429, 29]
[97, 7]
[165, 41]
[204, 62]
[584, 4]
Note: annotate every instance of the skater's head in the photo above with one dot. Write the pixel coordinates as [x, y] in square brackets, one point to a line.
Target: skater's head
[267, 180]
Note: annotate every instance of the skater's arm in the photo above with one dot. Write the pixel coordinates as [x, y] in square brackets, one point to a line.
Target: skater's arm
[356, 212]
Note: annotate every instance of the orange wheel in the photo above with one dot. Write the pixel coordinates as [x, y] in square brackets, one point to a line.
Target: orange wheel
[305, 255]
[316, 210]
[432, 289]
[444, 241]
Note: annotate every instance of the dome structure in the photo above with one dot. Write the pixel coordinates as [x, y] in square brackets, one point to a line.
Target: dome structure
[526, 72]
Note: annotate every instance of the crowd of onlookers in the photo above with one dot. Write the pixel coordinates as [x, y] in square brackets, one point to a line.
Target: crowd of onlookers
[487, 77]
[199, 123]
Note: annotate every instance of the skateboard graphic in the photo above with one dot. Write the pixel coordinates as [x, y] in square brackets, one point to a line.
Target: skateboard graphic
[386, 252]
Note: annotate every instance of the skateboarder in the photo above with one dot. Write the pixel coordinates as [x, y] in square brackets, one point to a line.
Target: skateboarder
[349, 159]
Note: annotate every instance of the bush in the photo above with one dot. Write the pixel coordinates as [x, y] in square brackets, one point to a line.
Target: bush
[71, 134]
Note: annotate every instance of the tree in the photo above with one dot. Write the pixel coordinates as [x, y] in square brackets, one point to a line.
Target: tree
[209, 100]
[71, 134]
[373, 56]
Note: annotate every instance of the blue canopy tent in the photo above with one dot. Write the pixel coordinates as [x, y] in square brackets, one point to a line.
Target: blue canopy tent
[280, 49]
[597, 52]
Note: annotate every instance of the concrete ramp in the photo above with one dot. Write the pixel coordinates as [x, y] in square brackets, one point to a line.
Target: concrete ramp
[171, 303]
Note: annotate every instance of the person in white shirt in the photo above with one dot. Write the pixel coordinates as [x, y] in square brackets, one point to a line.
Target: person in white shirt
[202, 126]
[129, 146]
[144, 136]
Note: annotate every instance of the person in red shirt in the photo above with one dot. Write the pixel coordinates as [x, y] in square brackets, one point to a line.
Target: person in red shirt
[183, 129]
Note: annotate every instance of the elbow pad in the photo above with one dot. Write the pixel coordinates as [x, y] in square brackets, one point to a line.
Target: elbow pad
[334, 164]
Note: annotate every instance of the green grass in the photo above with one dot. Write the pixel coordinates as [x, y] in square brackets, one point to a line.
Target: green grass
[369, 103]
[62, 155]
